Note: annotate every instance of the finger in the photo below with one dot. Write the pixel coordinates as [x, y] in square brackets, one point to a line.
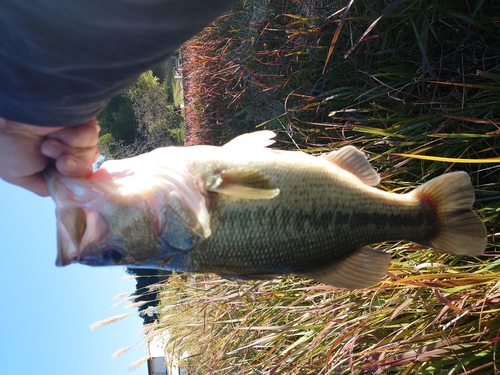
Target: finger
[70, 161]
[70, 166]
[82, 136]
[54, 149]
[26, 129]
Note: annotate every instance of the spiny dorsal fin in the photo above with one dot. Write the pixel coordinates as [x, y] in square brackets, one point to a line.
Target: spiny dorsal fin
[355, 162]
[245, 183]
[258, 139]
[358, 270]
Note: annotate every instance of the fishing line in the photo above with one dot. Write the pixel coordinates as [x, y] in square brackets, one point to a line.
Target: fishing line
[487, 199]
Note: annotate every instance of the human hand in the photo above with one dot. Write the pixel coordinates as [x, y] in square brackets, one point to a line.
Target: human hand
[26, 150]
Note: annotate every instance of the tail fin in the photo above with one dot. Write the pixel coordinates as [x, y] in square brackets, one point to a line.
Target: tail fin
[458, 229]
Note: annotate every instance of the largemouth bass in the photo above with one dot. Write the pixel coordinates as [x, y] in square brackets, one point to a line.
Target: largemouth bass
[244, 210]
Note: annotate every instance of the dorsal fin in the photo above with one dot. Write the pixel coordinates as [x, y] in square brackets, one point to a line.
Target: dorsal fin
[360, 269]
[245, 183]
[355, 162]
[259, 139]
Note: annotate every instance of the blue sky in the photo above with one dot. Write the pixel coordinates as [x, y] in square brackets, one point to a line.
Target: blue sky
[46, 311]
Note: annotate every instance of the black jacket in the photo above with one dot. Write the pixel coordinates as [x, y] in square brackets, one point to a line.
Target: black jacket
[62, 60]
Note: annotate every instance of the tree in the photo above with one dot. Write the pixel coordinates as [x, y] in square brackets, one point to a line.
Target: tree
[118, 119]
[153, 108]
[140, 119]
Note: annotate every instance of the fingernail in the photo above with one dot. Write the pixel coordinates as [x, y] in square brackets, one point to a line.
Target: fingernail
[50, 150]
[70, 166]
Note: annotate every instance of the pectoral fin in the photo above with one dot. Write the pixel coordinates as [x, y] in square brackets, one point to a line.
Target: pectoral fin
[355, 162]
[244, 183]
[359, 270]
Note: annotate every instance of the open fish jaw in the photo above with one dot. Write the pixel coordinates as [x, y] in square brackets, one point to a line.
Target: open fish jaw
[86, 207]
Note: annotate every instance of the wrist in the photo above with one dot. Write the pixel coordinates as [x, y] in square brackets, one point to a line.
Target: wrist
[18, 128]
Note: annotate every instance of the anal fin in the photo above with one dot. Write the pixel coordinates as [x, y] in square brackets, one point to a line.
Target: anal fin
[361, 269]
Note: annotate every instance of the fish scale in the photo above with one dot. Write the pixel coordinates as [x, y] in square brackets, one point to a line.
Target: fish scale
[270, 226]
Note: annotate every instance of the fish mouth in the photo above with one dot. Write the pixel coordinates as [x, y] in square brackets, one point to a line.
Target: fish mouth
[66, 251]
[64, 259]
[110, 256]
[79, 235]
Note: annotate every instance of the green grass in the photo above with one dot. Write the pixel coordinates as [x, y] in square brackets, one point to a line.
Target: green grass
[422, 82]
[166, 73]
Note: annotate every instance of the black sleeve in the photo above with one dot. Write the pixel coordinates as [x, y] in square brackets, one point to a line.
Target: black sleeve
[62, 60]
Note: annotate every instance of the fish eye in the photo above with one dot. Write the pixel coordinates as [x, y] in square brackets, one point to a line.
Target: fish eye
[113, 255]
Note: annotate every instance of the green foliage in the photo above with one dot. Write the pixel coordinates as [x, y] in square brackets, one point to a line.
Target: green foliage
[146, 82]
[153, 110]
[118, 119]
[140, 119]
[178, 135]
[166, 74]
[107, 144]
